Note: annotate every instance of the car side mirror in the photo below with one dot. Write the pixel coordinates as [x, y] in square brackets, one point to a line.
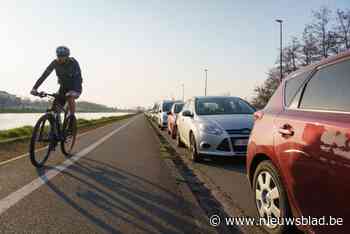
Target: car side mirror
[160, 111]
[187, 113]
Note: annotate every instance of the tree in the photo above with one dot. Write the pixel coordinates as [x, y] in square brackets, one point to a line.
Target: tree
[309, 50]
[320, 29]
[290, 56]
[343, 28]
[264, 92]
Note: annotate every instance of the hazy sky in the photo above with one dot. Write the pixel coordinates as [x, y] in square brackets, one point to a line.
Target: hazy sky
[137, 52]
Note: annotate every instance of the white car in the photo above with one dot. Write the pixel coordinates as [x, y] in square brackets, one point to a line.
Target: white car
[215, 126]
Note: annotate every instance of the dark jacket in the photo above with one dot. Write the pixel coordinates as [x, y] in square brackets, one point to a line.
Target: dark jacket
[68, 74]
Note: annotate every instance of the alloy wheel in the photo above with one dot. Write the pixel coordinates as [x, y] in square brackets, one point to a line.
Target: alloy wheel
[267, 197]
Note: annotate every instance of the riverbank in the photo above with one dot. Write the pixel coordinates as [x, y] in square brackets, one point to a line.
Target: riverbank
[15, 142]
[26, 111]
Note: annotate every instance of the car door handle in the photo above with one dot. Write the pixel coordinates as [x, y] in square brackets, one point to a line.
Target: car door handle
[286, 131]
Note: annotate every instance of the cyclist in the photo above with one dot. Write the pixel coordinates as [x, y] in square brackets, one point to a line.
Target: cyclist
[69, 78]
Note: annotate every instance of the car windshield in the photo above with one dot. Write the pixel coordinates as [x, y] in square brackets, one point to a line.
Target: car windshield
[222, 106]
[178, 107]
[167, 106]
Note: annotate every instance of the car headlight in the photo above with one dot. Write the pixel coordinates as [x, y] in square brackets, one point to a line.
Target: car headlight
[210, 129]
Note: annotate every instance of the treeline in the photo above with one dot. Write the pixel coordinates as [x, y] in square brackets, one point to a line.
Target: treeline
[327, 34]
[10, 103]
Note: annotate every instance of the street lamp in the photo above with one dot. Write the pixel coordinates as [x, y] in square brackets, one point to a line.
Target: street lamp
[206, 81]
[281, 72]
[183, 92]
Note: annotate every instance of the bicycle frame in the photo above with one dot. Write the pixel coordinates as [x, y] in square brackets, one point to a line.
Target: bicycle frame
[55, 111]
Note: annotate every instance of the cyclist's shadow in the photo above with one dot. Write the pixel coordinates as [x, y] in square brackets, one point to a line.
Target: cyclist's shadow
[42, 173]
[98, 177]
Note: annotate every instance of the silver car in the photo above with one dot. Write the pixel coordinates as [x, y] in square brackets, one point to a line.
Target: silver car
[215, 126]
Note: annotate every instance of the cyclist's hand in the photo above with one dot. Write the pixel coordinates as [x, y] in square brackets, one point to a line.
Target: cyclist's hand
[34, 92]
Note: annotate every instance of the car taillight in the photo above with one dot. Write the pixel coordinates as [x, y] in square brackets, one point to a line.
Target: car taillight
[258, 115]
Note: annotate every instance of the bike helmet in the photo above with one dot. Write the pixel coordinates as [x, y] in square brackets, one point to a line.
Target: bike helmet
[62, 51]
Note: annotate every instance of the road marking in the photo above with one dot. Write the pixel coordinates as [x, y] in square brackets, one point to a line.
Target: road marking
[18, 195]
[40, 149]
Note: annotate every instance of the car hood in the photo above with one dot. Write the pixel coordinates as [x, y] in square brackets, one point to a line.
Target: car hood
[228, 122]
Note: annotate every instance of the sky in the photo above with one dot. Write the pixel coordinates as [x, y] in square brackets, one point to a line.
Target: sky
[137, 52]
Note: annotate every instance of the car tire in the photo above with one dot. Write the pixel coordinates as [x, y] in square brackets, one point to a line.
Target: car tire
[178, 140]
[195, 157]
[268, 191]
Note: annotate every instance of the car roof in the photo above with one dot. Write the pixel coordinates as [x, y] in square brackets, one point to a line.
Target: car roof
[323, 62]
[204, 97]
[167, 101]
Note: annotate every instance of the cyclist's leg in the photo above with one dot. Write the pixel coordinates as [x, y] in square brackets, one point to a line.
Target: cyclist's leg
[71, 96]
[57, 106]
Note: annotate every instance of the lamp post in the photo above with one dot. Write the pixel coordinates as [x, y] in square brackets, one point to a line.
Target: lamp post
[281, 72]
[183, 92]
[206, 81]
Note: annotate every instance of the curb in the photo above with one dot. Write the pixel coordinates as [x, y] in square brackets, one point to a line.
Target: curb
[228, 205]
[199, 213]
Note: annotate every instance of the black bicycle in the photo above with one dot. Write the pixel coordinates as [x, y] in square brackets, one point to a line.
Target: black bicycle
[49, 131]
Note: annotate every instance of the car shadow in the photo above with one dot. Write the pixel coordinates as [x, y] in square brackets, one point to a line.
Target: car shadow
[225, 163]
[125, 197]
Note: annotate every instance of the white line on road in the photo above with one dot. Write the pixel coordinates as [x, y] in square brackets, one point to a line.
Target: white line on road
[18, 195]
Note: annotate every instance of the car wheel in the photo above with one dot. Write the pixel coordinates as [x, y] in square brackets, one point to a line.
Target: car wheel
[270, 197]
[178, 140]
[193, 149]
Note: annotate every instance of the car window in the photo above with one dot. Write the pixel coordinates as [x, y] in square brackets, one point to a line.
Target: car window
[292, 86]
[178, 107]
[328, 89]
[167, 106]
[217, 106]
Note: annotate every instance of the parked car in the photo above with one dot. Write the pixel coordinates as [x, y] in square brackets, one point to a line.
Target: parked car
[162, 115]
[298, 159]
[172, 115]
[215, 126]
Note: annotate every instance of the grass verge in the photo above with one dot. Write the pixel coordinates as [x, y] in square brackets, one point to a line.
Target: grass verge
[15, 141]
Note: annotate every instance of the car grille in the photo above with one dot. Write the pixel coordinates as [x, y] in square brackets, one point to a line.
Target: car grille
[242, 131]
[224, 146]
[238, 148]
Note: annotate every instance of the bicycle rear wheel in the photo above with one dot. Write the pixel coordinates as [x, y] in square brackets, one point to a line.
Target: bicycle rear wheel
[42, 141]
[69, 135]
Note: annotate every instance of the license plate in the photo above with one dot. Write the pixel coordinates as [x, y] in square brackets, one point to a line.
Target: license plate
[240, 142]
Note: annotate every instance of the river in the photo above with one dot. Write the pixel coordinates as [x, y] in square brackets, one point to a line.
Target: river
[8, 121]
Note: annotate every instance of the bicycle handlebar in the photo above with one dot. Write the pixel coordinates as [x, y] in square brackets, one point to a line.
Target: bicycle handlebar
[44, 94]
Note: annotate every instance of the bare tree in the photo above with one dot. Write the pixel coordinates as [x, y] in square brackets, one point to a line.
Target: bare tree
[291, 56]
[309, 50]
[320, 29]
[343, 27]
[264, 91]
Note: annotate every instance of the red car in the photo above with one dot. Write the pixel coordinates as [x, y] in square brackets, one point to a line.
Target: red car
[298, 159]
[172, 115]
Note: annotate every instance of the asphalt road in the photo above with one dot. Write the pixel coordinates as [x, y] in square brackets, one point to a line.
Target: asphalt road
[228, 175]
[115, 183]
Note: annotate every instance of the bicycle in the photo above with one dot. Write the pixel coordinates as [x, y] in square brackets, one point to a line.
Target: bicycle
[49, 131]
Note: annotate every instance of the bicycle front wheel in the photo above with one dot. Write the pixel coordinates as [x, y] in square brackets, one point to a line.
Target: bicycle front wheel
[70, 134]
[42, 142]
